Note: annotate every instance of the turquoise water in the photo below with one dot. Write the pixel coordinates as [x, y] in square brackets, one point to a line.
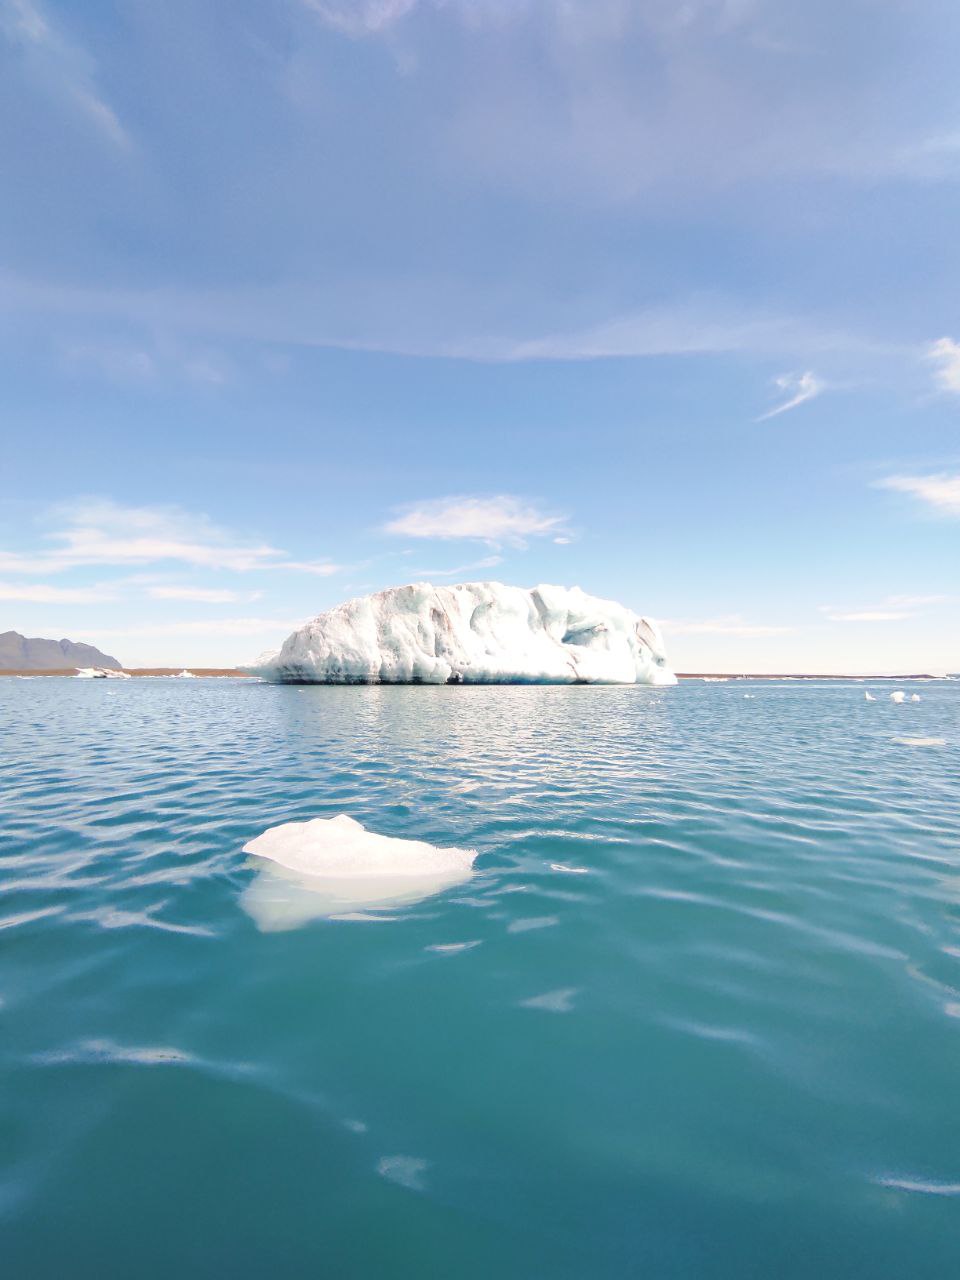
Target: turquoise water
[729, 1046]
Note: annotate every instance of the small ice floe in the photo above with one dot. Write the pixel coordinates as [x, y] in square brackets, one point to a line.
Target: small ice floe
[914, 697]
[868, 696]
[921, 742]
[405, 1171]
[108, 1051]
[552, 1001]
[921, 1186]
[452, 948]
[531, 922]
[100, 673]
[571, 871]
[335, 867]
[185, 675]
[897, 696]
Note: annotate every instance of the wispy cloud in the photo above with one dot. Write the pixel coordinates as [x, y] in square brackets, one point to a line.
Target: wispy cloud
[892, 609]
[201, 627]
[489, 562]
[871, 615]
[360, 17]
[125, 361]
[799, 388]
[501, 519]
[58, 68]
[940, 491]
[203, 595]
[102, 532]
[726, 626]
[42, 593]
[945, 354]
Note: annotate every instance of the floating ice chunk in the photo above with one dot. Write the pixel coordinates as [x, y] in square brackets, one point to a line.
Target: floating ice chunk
[868, 696]
[914, 697]
[532, 922]
[474, 633]
[921, 1186]
[573, 871]
[185, 675]
[452, 948]
[334, 866]
[553, 1001]
[405, 1171]
[897, 696]
[921, 742]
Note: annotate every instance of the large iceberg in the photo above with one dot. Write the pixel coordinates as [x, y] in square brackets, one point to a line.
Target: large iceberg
[474, 633]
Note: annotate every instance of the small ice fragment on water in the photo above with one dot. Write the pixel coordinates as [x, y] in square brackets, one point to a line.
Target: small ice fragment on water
[573, 871]
[94, 1051]
[914, 697]
[560, 1001]
[868, 696]
[355, 1126]
[334, 867]
[921, 1186]
[452, 948]
[897, 696]
[405, 1171]
[921, 742]
[531, 922]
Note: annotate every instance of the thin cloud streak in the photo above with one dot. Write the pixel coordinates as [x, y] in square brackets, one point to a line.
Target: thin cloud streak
[730, 626]
[106, 533]
[800, 388]
[42, 593]
[489, 562]
[203, 595]
[945, 354]
[504, 518]
[940, 491]
[58, 68]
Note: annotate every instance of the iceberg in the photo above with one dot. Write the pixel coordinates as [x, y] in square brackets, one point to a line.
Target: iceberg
[334, 867]
[473, 633]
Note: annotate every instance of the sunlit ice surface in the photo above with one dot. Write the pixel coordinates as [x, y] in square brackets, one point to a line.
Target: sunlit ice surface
[695, 1012]
[334, 867]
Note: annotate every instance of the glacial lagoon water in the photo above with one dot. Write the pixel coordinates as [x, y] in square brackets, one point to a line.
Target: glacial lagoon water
[696, 1014]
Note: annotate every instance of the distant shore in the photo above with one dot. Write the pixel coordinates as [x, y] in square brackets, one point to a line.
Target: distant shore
[133, 671]
[681, 675]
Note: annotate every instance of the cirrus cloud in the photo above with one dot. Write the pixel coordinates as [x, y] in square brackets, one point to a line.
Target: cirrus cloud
[940, 491]
[503, 518]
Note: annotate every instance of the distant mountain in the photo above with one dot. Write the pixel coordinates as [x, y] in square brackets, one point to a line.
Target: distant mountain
[20, 653]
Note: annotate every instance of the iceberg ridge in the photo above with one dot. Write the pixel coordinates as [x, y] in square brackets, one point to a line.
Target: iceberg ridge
[473, 633]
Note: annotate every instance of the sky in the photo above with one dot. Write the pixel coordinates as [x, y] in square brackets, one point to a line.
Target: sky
[301, 299]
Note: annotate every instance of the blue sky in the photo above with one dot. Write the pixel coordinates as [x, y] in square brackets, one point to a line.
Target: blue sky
[306, 298]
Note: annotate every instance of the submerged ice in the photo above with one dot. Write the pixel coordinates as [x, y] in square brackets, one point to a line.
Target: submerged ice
[335, 867]
[474, 633]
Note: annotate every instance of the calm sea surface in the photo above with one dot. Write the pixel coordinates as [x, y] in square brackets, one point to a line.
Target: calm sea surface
[696, 1015]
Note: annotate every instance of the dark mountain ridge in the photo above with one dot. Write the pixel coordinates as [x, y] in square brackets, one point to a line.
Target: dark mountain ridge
[23, 653]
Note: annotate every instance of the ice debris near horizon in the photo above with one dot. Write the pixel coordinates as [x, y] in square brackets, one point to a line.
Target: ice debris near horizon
[334, 867]
[100, 673]
[473, 633]
[897, 696]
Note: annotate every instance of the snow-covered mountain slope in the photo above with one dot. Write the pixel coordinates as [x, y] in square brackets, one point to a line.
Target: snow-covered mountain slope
[475, 633]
